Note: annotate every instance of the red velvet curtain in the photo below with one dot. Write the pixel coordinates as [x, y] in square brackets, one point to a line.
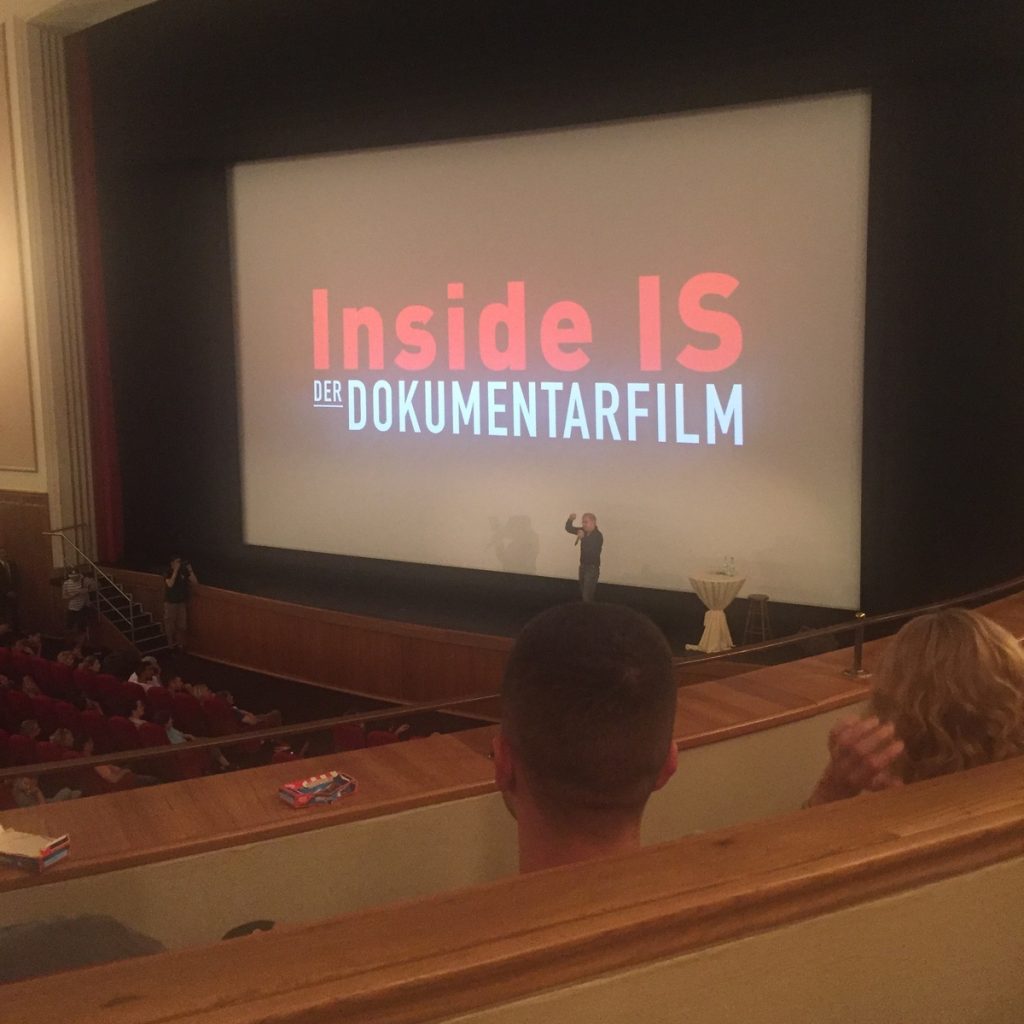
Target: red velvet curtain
[106, 468]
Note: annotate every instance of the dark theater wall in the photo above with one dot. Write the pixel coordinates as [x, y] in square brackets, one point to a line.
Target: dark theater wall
[183, 88]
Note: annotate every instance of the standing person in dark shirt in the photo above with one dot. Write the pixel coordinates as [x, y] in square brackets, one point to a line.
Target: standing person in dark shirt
[590, 540]
[8, 591]
[176, 586]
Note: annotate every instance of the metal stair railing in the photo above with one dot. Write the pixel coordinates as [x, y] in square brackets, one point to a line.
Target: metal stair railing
[104, 603]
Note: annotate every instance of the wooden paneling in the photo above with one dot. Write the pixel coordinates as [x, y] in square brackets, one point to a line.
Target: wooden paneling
[435, 958]
[393, 660]
[377, 657]
[23, 519]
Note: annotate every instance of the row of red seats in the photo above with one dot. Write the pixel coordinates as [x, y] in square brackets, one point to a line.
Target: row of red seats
[53, 677]
[351, 736]
[60, 681]
[211, 717]
[109, 735]
[21, 751]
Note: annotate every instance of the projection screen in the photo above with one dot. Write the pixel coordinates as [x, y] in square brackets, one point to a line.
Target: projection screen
[444, 349]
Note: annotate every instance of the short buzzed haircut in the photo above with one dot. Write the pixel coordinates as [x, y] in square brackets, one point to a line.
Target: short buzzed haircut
[588, 707]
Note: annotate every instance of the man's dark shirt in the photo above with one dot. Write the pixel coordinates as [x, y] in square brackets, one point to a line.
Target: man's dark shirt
[590, 544]
[178, 592]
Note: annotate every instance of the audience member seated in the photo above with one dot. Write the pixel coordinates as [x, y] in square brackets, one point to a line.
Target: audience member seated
[176, 685]
[27, 793]
[90, 663]
[30, 687]
[948, 695]
[269, 720]
[147, 674]
[31, 644]
[109, 778]
[63, 737]
[138, 714]
[30, 728]
[176, 736]
[588, 711]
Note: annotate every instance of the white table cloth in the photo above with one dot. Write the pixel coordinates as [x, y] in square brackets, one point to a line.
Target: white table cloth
[717, 591]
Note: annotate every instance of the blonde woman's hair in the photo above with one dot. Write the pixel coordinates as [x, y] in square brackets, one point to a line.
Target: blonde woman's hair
[952, 683]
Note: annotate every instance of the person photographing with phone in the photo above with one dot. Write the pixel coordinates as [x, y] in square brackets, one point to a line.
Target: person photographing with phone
[590, 541]
[176, 592]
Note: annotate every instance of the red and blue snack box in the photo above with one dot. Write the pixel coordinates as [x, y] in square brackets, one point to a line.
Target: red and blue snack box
[317, 789]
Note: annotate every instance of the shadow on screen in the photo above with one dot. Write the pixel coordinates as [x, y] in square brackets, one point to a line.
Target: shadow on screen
[516, 544]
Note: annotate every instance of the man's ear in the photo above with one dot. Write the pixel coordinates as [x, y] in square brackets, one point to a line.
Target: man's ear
[668, 769]
[504, 767]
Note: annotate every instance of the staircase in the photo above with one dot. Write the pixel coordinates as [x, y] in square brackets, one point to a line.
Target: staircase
[128, 617]
[114, 603]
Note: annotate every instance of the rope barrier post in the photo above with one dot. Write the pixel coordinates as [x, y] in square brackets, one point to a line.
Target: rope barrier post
[857, 671]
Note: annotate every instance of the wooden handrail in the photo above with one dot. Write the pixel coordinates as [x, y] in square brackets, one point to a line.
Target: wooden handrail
[434, 958]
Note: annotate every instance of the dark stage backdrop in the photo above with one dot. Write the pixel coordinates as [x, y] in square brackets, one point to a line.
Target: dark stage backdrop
[182, 89]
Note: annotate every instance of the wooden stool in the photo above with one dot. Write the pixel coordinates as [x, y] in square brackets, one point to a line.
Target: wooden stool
[759, 626]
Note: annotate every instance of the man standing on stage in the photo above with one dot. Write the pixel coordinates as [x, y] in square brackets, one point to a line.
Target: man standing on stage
[591, 541]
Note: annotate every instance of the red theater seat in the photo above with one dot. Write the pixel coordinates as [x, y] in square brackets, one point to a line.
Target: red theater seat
[97, 728]
[85, 681]
[47, 752]
[123, 733]
[44, 711]
[157, 700]
[19, 707]
[5, 659]
[221, 719]
[5, 751]
[63, 679]
[348, 737]
[20, 663]
[67, 717]
[132, 693]
[152, 735]
[188, 714]
[39, 670]
[108, 693]
[21, 750]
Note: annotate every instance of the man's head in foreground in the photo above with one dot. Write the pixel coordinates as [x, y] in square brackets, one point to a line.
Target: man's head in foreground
[588, 709]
